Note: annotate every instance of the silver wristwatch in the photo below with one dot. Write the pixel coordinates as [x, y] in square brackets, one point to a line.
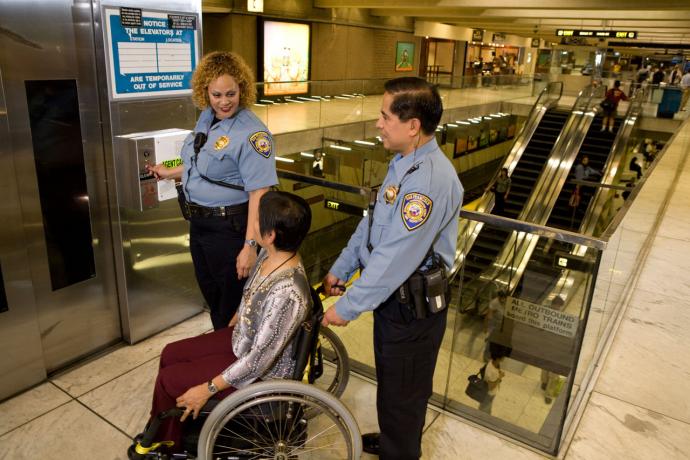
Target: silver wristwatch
[212, 388]
[251, 243]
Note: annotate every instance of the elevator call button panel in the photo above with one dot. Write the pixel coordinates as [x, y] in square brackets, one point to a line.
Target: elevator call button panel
[138, 188]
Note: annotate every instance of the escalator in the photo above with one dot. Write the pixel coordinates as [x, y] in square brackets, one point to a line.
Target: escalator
[490, 241]
[541, 277]
[532, 161]
[597, 147]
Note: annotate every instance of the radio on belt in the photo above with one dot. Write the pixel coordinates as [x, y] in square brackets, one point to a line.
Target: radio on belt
[137, 188]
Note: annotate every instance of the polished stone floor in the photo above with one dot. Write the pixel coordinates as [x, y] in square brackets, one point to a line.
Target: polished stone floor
[638, 408]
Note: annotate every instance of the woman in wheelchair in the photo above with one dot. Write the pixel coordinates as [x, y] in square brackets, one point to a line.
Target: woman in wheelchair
[258, 344]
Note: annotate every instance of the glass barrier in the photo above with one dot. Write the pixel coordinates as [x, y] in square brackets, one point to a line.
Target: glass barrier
[535, 334]
[562, 290]
[288, 107]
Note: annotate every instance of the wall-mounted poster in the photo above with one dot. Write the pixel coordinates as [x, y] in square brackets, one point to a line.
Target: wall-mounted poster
[471, 143]
[286, 58]
[460, 147]
[150, 53]
[404, 57]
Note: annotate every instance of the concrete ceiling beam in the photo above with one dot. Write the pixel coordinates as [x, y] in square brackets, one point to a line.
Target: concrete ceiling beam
[509, 4]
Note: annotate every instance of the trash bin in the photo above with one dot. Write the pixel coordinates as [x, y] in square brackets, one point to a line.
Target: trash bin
[670, 102]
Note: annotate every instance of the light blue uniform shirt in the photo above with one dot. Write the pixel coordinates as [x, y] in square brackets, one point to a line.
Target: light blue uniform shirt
[239, 151]
[424, 212]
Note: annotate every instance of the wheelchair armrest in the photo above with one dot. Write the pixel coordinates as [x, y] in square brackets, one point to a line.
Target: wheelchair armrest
[209, 406]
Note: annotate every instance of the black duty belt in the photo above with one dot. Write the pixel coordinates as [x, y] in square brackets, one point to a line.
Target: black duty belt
[196, 210]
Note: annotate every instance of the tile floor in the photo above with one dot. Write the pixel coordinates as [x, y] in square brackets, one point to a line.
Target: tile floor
[639, 408]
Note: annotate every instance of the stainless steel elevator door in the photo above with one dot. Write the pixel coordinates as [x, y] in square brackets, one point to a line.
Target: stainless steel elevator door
[57, 151]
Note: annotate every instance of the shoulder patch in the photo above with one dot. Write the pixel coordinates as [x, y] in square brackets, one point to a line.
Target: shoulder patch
[415, 210]
[261, 142]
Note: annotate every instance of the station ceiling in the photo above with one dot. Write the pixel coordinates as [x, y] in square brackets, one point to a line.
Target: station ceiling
[659, 21]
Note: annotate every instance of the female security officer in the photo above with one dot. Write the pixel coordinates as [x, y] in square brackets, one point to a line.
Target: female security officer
[227, 165]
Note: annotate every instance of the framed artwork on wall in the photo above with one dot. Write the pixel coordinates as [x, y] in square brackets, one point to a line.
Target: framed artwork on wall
[404, 57]
[286, 53]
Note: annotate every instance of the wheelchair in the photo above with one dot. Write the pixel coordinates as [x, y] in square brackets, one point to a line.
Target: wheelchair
[300, 418]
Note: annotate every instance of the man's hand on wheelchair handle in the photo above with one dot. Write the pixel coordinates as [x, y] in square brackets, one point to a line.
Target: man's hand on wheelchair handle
[332, 285]
[193, 400]
[331, 317]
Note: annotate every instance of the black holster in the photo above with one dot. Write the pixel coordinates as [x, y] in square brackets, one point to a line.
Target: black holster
[426, 291]
[182, 201]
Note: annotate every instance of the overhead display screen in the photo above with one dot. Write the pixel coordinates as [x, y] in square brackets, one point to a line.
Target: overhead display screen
[597, 33]
[286, 58]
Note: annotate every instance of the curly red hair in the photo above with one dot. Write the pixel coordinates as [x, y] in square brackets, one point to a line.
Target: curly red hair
[217, 64]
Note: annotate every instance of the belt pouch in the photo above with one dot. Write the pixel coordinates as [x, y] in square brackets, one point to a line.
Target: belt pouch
[416, 286]
[402, 295]
[435, 289]
[182, 201]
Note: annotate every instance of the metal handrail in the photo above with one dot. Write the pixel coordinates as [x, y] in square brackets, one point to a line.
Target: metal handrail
[357, 189]
[568, 146]
[612, 168]
[541, 202]
[539, 230]
[544, 101]
[467, 233]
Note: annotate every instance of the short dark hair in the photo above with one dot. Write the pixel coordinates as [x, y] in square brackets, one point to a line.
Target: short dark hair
[414, 97]
[288, 215]
[616, 83]
[498, 351]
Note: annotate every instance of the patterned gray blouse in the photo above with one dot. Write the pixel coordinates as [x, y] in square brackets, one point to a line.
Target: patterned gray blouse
[271, 310]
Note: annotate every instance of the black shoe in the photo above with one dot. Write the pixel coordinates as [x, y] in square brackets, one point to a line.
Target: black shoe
[371, 443]
[543, 386]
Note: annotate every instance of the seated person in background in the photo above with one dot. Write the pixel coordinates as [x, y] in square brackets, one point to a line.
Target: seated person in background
[585, 172]
[257, 345]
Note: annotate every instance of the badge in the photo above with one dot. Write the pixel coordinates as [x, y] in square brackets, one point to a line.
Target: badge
[390, 194]
[222, 142]
[415, 210]
[261, 142]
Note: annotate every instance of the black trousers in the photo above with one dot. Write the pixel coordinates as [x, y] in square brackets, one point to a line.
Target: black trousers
[499, 203]
[405, 351]
[215, 243]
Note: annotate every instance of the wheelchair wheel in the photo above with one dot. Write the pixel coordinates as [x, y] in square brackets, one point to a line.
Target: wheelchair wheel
[336, 372]
[267, 420]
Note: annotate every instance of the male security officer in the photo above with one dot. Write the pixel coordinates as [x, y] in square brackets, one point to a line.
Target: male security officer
[415, 215]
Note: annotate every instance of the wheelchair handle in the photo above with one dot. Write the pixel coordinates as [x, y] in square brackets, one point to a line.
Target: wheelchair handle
[322, 290]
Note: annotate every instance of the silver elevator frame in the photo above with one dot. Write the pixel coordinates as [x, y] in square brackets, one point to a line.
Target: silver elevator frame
[143, 279]
[156, 282]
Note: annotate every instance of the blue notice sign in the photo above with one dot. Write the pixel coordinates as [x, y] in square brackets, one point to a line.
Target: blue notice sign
[152, 59]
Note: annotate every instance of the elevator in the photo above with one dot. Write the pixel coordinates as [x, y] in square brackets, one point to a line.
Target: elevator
[80, 268]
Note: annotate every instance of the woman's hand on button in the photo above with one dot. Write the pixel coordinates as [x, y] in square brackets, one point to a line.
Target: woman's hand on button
[159, 170]
[245, 261]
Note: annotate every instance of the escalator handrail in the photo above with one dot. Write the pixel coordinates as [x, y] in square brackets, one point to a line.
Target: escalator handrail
[525, 132]
[549, 185]
[545, 101]
[612, 168]
[563, 153]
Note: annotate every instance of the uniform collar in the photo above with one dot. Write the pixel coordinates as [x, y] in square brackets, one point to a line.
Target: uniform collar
[206, 118]
[401, 164]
